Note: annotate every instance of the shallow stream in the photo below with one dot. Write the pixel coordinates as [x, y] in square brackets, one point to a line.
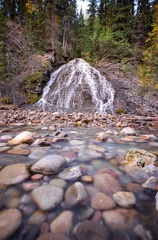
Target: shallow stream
[35, 223]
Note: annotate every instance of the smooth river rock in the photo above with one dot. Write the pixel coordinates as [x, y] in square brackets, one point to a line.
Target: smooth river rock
[50, 164]
[52, 236]
[63, 223]
[92, 231]
[76, 194]
[85, 155]
[47, 197]
[106, 183]
[71, 173]
[120, 218]
[124, 199]
[127, 131]
[10, 220]
[24, 137]
[14, 174]
[100, 201]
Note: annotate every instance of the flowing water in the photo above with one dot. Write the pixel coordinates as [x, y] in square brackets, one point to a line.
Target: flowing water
[77, 86]
[17, 196]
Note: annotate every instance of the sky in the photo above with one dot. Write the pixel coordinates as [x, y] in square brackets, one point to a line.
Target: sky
[82, 4]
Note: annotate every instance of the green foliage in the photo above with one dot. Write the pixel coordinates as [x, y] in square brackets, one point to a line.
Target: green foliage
[121, 111]
[29, 85]
[31, 80]
[5, 100]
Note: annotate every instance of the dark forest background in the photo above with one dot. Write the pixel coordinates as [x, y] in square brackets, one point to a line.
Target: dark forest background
[124, 31]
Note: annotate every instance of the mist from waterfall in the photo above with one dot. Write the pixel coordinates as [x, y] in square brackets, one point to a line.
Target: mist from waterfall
[77, 86]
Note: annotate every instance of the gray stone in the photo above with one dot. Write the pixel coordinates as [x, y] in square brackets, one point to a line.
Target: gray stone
[88, 154]
[151, 183]
[127, 131]
[50, 164]
[47, 197]
[124, 199]
[76, 194]
[71, 173]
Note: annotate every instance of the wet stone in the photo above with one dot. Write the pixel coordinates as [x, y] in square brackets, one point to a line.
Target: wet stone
[58, 183]
[47, 197]
[50, 164]
[63, 223]
[137, 159]
[37, 217]
[71, 173]
[151, 183]
[76, 194]
[4, 149]
[100, 201]
[10, 220]
[52, 236]
[88, 155]
[14, 174]
[19, 151]
[106, 183]
[124, 199]
[92, 231]
[120, 219]
[38, 152]
[24, 137]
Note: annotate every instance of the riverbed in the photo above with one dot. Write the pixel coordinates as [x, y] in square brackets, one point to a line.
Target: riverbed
[89, 151]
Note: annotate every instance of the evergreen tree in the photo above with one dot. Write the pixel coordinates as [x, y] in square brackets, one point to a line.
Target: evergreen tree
[92, 10]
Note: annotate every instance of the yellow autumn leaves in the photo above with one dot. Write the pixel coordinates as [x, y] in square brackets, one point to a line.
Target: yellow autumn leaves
[30, 7]
[149, 69]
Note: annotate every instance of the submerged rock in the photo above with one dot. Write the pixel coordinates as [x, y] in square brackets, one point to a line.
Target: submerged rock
[50, 164]
[92, 231]
[52, 236]
[106, 183]
[137, 159]
[76, 194]
[71, 173]
[10, 220]
[120, 219]
[47, 197]
[101, 201]
[124, 199]
[63, 223]
[24, 137]
[14, 174]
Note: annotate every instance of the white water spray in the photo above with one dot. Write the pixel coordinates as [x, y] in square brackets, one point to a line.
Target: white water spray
[77, 86]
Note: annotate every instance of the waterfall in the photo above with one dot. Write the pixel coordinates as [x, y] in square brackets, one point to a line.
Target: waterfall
[77, 86]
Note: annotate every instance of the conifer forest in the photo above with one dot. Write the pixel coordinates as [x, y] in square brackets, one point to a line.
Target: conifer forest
[118, 30]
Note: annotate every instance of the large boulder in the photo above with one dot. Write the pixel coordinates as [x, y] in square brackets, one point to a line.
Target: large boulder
[137, 159]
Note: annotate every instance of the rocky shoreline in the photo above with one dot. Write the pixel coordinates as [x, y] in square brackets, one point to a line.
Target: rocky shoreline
[33, 117]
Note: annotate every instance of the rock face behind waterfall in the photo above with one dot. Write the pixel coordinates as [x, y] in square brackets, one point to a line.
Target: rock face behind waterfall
[76, 86]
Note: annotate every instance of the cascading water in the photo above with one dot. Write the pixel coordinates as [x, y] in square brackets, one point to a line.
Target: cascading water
[76, 86]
